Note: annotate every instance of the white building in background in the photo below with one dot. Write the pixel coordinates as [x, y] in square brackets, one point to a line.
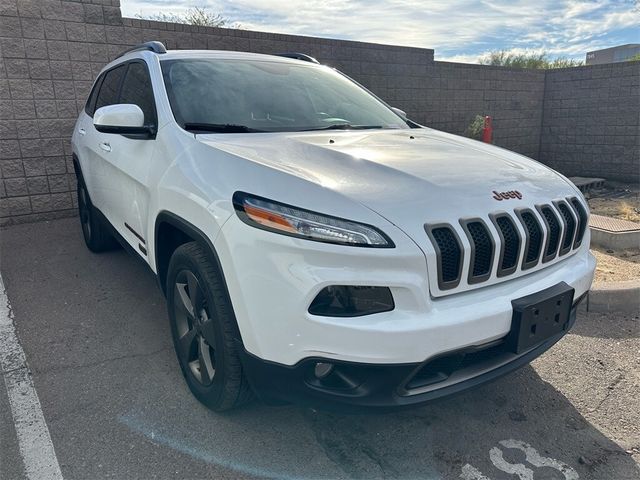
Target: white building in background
[621, 53]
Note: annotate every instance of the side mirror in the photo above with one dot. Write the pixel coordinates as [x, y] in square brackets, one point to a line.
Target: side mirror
[402, 113]
[123, 118]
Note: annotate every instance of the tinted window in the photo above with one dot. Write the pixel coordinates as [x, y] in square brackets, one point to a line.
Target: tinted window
[110, 87]
[137, 89]
[90, 106]
[270, 96]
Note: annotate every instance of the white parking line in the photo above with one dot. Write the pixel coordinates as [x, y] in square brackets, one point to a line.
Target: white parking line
[34, 441]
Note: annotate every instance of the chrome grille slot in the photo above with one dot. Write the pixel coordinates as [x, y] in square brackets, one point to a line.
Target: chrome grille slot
[510, 244]
[554, 233]
[581, 213]
[533, 246]
[449, 253]
[482, 248]
[569, 227]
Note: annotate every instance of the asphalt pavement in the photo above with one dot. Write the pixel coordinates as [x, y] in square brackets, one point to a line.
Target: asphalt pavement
[95, 333]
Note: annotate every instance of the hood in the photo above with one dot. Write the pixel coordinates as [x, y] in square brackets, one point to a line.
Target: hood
[410, 177]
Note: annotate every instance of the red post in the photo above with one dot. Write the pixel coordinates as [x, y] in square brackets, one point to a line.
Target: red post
[487, 130]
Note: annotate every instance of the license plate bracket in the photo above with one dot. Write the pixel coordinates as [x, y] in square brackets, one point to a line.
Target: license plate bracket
[539, 316]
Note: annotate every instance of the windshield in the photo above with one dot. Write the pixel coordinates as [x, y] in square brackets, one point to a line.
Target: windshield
[262, 96]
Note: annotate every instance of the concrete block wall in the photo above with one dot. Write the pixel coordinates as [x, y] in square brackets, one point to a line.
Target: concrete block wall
[52, 50]
[591, 122]
[512, 97]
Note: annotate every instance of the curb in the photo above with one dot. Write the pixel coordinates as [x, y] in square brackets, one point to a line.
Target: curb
[614, 240]
[620, 297]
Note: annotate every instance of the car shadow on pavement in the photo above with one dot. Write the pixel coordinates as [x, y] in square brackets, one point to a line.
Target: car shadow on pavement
[440, 440]
[95, 331]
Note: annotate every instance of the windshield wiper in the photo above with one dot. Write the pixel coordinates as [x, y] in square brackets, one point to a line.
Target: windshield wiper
[220, 128]
[343, 126]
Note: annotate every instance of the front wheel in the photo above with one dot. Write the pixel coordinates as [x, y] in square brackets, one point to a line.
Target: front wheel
[202, 326]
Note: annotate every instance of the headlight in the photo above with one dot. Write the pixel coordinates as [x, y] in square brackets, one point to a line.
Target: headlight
[287, 220]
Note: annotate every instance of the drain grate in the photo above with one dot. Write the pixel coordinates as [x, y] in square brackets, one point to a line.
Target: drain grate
[614, 225]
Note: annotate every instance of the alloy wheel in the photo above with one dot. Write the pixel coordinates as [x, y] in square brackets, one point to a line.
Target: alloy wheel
[195, 329]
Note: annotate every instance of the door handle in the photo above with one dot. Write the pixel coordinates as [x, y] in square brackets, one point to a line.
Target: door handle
[82, 131]
[105, 146]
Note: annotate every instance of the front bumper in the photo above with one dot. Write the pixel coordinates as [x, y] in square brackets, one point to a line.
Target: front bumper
[272, 280]
[354, 386]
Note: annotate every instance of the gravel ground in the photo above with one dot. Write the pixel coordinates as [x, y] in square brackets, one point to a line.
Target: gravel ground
[617, 200]
[616, 266]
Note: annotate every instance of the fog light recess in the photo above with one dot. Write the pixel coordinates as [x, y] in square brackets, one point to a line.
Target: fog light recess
[351, 301]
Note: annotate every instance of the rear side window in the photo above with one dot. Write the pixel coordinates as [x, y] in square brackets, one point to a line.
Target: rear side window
[137, 89]
[110, 88]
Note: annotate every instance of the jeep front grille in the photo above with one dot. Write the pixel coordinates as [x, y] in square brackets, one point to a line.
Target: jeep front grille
[554, 231]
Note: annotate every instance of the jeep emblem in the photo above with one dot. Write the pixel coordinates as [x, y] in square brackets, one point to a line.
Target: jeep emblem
[507, 195]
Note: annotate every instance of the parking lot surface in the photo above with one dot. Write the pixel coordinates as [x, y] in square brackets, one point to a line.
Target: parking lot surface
[95, 332]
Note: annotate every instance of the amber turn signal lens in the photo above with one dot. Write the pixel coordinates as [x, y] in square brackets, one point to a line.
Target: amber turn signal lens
[268, 219]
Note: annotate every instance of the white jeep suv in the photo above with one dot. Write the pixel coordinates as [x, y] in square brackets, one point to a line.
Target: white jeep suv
[313, 243]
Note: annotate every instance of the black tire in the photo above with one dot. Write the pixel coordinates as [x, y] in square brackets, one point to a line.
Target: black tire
[95, 233]
[203, 327]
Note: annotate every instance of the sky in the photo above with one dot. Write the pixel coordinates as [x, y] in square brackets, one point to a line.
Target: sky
[458, 30]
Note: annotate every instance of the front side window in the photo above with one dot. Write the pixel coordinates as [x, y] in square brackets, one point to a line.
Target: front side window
[137, 90]
[269, 96]
[110, 88]
[90, 106]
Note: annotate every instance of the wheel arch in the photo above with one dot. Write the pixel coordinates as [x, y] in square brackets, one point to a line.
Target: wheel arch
[170, 232]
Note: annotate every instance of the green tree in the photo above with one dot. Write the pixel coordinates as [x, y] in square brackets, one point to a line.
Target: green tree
[199, 16]
[527, 60]
[635, 58]
[474, 130]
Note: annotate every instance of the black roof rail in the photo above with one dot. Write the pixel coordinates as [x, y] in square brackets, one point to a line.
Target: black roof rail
[298, 56]
[154, 46]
